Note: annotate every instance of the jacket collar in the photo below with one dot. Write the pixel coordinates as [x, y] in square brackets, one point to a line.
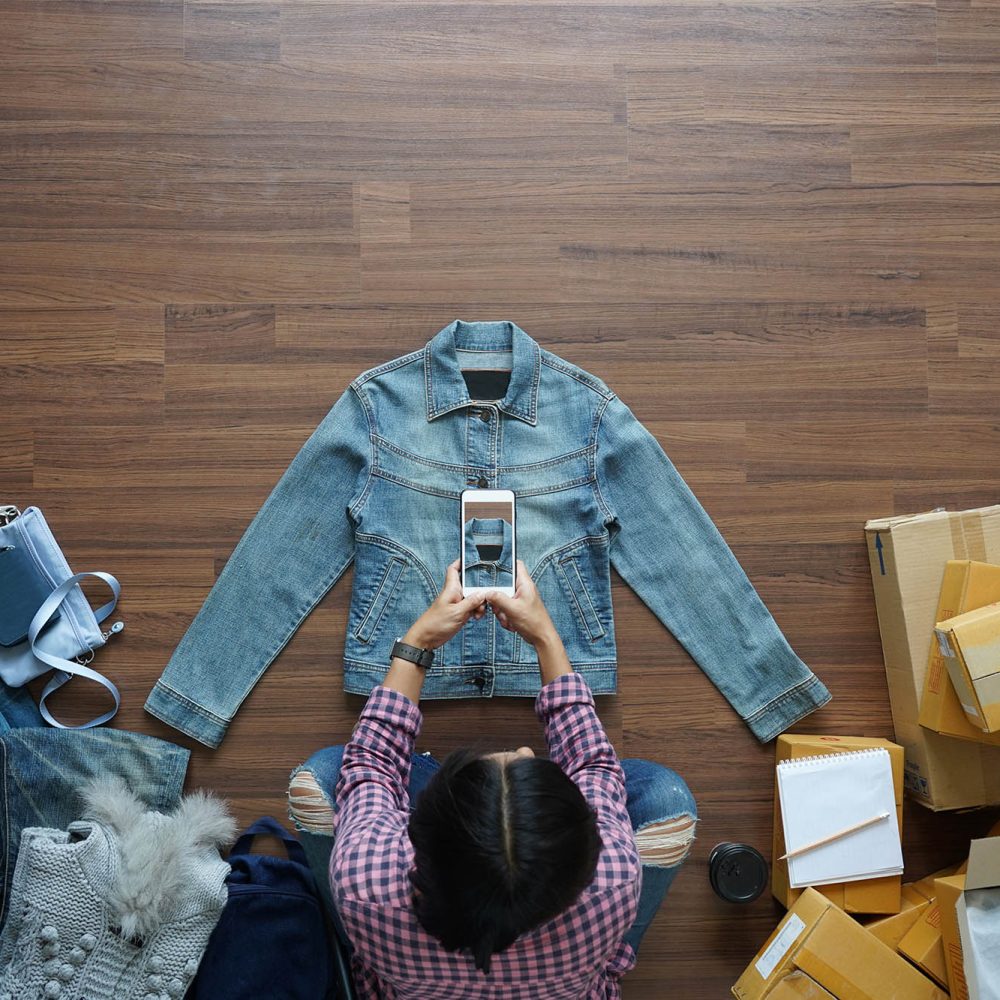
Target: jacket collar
[493, 531]
[446, 389]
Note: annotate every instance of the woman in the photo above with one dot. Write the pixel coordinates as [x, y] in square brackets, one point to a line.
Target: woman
[496, 875]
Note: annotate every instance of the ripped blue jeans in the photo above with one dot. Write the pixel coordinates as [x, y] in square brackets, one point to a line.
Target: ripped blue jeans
[659, 803]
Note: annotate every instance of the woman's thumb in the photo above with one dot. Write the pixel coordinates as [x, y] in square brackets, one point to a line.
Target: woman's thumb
[501, 602]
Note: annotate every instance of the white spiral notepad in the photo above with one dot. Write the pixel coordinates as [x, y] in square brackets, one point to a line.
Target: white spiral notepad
[824, 795]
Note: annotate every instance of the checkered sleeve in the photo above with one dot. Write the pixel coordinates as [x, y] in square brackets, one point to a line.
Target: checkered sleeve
[579, 745]
[375, 770]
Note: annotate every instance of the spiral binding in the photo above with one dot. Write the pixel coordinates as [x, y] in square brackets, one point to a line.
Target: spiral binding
[867, 751]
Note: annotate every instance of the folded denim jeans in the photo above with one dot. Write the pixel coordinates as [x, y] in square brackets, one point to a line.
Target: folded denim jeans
[18, 709]
[43, 769]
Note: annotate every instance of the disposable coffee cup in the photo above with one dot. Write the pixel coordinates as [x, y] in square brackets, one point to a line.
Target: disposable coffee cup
[737, 872]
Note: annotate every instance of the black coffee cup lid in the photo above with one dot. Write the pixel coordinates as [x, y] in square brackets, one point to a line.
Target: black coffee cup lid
[738, 872]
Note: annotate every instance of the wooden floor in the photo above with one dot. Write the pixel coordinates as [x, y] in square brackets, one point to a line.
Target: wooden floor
[772, 228]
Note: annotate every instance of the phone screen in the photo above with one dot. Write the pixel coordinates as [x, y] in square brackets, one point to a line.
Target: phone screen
[488, 554]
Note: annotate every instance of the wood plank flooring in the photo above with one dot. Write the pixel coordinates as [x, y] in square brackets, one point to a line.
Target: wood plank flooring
[772, 227]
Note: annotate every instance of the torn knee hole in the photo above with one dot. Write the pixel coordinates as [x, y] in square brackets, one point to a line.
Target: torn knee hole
[666, 843]
[308, 805]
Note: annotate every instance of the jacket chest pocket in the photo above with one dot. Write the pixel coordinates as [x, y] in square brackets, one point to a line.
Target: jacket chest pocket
[381, 597]
[579, 597]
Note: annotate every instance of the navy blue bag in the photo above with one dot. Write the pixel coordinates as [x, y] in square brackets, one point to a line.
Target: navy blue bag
[271, 940]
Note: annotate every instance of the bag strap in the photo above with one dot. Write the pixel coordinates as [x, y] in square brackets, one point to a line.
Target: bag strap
[65, 669]
[270, 826]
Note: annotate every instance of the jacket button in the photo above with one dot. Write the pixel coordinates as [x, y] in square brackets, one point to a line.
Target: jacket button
[485, 416]
[480, 681]
[482, 482]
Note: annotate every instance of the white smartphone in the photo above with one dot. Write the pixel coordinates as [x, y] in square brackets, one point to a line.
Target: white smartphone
[489, 555]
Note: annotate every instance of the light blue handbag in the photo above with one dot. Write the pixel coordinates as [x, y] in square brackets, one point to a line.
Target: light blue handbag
[67, 645]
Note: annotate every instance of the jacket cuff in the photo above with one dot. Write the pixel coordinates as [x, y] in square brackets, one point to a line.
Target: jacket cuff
[785, 710]
[184, 715]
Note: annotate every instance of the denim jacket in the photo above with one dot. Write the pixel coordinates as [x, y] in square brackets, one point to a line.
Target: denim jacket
[378, 484]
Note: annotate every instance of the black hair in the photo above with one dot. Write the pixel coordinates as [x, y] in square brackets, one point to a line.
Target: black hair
[500, 848]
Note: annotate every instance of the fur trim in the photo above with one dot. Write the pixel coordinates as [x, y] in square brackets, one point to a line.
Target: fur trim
[206, 817]
[159, 854]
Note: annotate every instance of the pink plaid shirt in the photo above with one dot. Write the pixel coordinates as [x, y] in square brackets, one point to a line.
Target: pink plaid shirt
[579, 955]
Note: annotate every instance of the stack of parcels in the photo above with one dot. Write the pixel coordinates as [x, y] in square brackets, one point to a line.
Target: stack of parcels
[970, 647]
[936, 578]
[944, 941]
[926, 569]
[819, 951]
[966, 587]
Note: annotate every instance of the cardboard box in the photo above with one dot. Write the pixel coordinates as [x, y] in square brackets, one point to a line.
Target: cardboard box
[891, 929]
[978, 913]
[874, 895]
[977, 918]
[967, 585]
[948, 890]
[907, 556]
[915, 930]
[820, 940]
[923, 946]
[916, 897]
[970, 645]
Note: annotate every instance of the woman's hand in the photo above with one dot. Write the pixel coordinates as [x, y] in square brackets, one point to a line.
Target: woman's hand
[526, 614]
[447, 614]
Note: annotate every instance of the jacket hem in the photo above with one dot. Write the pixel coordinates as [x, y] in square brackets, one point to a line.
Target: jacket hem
[501, 680]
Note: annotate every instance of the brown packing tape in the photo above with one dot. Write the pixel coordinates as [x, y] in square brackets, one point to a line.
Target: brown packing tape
[968, 536]
[959, 539]
[891, 521]
[975, 540]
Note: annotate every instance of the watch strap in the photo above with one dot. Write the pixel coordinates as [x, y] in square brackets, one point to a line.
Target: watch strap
[421, 657]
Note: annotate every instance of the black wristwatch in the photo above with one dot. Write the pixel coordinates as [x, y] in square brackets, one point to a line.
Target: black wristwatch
[421, 657]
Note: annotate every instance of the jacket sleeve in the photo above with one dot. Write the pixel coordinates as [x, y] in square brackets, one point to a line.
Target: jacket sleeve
[666, 548]
[295, 549]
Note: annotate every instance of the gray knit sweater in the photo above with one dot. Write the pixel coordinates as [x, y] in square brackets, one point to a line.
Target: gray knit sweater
[119, 906]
